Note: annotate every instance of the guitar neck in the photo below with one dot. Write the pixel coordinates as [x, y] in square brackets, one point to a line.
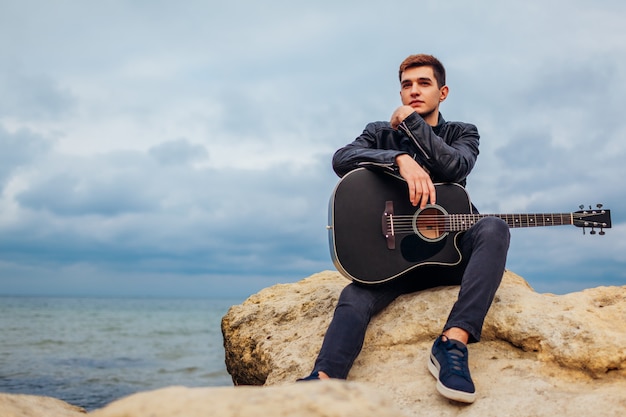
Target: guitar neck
[462, 222]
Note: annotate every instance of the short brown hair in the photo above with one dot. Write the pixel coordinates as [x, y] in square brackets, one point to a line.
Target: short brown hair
[423, 60]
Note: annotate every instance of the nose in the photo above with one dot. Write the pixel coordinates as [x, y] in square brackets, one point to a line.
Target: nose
[415, 91]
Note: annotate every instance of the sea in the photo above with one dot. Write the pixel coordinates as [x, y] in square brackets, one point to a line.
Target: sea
[92, 351]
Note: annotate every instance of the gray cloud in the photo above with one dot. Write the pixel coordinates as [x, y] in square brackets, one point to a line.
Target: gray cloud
[178, 151]
[31, 96]
[105, 186]
[123, 211]
[19, 148]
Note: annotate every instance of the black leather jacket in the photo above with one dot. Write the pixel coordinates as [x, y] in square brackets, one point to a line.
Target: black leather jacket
[447, 151]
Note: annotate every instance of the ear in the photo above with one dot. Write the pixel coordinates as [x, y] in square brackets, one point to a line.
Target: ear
[443, 93]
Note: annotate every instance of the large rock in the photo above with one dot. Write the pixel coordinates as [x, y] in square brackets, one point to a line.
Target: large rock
[541, 354]
[19, 405]
[329, 399]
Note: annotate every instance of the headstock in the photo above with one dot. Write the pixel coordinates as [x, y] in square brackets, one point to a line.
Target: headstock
[593, 218]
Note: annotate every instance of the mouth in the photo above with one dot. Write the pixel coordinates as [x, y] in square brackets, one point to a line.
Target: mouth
[415, 103]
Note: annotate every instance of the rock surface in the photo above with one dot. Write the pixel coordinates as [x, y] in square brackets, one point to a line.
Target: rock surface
[541, 354]
[329, 399]
[17, 405]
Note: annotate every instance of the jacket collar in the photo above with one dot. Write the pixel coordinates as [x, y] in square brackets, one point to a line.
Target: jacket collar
[440, 122]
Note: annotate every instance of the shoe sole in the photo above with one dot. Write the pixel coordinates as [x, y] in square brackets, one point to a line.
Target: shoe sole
[451, 394]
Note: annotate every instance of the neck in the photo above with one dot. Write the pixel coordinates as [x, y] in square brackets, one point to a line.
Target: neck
[431, 118]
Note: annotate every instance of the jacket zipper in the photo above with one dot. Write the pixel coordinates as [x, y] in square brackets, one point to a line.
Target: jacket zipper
[408, 132]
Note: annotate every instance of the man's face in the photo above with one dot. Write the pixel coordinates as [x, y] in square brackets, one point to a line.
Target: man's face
[418, 89]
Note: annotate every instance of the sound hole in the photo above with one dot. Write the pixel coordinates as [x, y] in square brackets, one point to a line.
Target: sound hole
[429, 223]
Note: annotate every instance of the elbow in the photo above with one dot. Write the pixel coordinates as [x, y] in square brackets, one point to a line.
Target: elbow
[339, 164]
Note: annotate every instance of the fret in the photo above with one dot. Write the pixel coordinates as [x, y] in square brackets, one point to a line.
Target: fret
[510, 220]
[546, 220]
[467, 221]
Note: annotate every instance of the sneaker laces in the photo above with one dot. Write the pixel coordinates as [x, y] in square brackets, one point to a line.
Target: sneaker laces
[457, 358]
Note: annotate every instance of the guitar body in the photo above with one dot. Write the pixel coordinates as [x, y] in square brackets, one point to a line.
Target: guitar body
[360, 247]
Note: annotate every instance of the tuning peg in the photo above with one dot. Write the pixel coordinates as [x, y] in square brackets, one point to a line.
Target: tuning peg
[599, 206]
[581, 207]
[602, 233]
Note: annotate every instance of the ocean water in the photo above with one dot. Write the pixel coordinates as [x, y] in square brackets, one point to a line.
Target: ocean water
[92, 351]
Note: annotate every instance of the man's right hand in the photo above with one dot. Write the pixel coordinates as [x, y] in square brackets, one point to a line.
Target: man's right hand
[421, 187]
[400, 114]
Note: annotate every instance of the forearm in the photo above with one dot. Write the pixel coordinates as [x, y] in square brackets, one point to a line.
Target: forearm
[353, 156]
[446, 162]
[368, 149]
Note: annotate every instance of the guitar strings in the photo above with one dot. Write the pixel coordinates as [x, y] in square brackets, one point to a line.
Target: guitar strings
[459, 222]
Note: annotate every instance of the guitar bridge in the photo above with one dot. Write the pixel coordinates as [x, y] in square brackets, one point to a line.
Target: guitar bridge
[388, 229]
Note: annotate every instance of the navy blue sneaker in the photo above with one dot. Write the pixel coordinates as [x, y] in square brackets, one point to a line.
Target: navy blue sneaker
[313, 377]
[448, 363]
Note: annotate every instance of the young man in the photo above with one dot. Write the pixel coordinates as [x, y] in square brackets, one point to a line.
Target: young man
[419, 145]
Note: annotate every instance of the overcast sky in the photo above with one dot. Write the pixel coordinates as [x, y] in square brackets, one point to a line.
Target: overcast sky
[152, 148]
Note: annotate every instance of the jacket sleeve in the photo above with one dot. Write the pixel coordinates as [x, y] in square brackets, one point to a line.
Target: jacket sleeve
[448, 160]
[365, 151]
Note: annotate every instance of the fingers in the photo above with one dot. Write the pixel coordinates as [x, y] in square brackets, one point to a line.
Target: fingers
[421, 193]
[424, 200]
[421, 187]
[399, 115]
[432, 194]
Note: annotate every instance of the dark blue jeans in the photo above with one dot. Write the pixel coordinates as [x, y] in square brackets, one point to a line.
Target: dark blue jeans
[484, 248]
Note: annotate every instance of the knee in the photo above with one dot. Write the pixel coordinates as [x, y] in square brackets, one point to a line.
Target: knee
[494, 229]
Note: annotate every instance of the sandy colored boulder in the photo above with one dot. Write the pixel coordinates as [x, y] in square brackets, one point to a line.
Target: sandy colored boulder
[541, 354]
[19, 405]
[327, 399]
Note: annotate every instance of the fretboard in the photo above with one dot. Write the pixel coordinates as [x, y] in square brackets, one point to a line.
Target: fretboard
[461, 222]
